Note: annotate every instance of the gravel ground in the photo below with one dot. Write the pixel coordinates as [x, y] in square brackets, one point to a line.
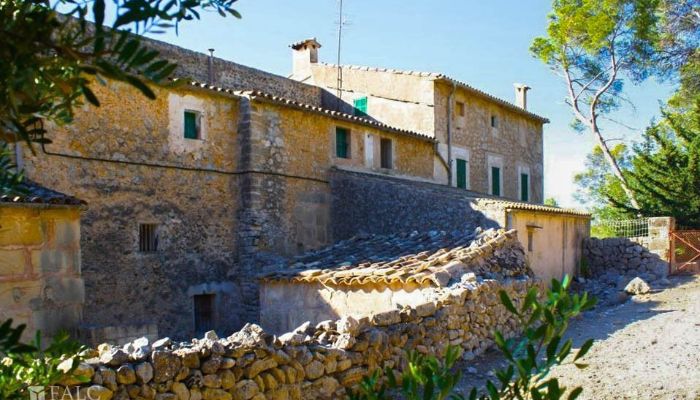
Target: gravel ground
[645, 348]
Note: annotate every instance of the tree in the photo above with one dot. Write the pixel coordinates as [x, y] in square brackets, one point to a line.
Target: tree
[592, 45]
[49, 60]
[551, 201]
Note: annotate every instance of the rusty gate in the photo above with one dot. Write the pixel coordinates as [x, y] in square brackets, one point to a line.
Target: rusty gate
[685, 252]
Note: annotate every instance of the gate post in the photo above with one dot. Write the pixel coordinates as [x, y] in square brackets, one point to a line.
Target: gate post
[661, 238]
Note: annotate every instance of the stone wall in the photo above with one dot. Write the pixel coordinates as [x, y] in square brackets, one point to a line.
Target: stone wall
[619, 258]
[312, 362]
[230, 75]
[127, 160]
[40, 282]
[365, 203]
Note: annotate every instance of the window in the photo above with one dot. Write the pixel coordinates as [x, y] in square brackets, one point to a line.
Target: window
[461, 173]
[342, 143]
[148, 237]
[192, 124]
[386, 153]
[360, 106]
[530, 239]
[203, 313]
[496, 181]
[460, 108]
[524, 187]
[494, 121]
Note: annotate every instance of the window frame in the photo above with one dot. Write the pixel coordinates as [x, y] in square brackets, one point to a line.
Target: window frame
[360, 106]
[495, 123]
[460, 109]
[148, 238]
[383, 162]
[196, 316]
[197, 121]
[524, 171]
[494, 161]
[347, 145]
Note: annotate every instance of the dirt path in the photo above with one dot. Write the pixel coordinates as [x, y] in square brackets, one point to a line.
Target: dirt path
[646, 348]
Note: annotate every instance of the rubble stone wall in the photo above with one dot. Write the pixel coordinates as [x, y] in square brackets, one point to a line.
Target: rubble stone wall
[311, 362]
[364, 203]
[40, 282]
[647, 256]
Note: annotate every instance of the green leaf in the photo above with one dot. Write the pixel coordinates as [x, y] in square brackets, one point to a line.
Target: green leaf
[138, 84]
[584, 349]
[90, 96]
[507, 303]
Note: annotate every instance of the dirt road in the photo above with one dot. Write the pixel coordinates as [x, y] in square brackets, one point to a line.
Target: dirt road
[646, 348]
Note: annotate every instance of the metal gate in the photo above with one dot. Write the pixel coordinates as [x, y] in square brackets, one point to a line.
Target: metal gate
[685, 252]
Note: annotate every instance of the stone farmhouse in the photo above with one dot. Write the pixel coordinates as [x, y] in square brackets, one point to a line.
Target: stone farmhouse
[233, 171]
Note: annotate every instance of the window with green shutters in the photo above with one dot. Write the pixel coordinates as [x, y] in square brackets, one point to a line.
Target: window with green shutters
[191, 125]
[461, 173]
[495, 181]
[360, 106]
[524, 187]
[342, 143]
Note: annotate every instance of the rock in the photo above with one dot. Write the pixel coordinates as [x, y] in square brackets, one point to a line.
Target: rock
[97, 392]
[211, 365]
[664, 282]
[327, 325]
[326, 386]
[259, 366]
[216, 394]
[348, 325]
[126, 375]
[211, 381]
[314, 370]
[228, 379]
[386, 318]
[637, 286]
[144, 372]
[344, 342]
[165, 365]
[303, 328]
[82, 373]
[227, 363]
[246, 389]
[114, 357]
[249, 336]
[166, 396]
[211, 335]
[292, 338]
[180, 391]
[161, 343]
[620, 297]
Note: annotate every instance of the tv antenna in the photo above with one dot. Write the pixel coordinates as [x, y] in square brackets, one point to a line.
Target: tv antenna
[339, 84]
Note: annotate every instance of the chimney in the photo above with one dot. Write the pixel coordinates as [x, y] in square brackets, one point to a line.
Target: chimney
[521, 95]
[210, 67]
[304, 54]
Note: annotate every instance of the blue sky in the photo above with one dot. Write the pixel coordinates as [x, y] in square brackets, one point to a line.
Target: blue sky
[483, 43]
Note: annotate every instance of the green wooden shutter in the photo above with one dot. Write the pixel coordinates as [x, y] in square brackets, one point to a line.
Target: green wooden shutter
[190, 125]
[496, 181]
[341, 143]
[360, 106]
[524, 187]
[461, 173]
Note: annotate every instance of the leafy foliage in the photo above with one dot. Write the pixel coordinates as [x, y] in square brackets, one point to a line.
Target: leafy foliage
[551, 201]
[49, 60]
[10, 179]
[24, 365]
[530, 357]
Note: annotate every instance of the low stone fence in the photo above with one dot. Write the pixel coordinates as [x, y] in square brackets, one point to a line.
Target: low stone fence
[312, 362]
[623, 257]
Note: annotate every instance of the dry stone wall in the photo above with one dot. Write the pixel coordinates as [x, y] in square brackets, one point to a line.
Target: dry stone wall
[623, 259]
[320, 361]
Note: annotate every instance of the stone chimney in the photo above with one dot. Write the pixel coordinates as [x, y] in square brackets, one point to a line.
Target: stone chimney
[304, 54]
[521, 95]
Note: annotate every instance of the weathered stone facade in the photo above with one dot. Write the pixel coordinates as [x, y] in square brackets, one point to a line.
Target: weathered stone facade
[40, 274]
[314, 361]
[470, 125]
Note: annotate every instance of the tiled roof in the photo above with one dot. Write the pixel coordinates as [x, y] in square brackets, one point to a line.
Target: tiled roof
[442, 77]
[258, 95]
[427, 258]
[32, 193]
[298, 45]
[515, 205]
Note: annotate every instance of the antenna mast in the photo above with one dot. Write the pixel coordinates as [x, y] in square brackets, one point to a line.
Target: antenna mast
[339, 84]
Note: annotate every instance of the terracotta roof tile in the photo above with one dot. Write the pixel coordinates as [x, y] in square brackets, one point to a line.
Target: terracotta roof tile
[422, 258]
[33, 193]
[515, 205]
[262, 96]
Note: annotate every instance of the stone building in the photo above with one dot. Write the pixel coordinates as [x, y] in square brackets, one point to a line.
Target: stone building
[40, 281]
[194, 194]
[486, 144]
